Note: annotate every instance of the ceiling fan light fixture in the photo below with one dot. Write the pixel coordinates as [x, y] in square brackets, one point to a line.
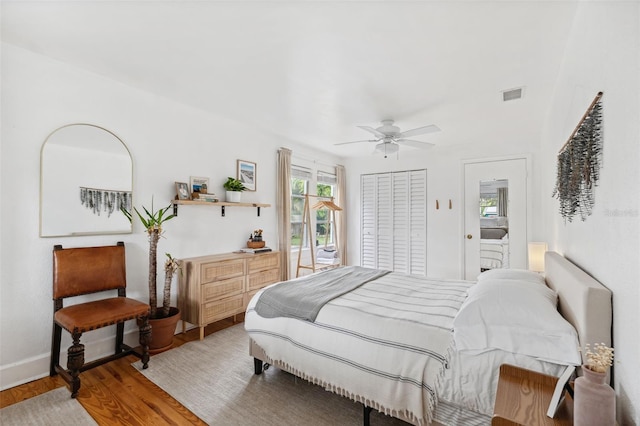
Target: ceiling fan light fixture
[387, 148]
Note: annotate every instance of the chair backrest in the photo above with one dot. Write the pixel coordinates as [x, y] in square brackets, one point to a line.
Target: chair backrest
[85, 270]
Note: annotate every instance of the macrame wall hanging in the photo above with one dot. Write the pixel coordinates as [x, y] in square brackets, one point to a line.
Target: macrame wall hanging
[579, 165]
[106, 200]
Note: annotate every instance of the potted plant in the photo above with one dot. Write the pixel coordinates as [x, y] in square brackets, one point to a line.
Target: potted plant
[234, 189]
[163, 319]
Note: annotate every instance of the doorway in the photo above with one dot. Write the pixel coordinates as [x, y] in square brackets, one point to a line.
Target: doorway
[496, 215]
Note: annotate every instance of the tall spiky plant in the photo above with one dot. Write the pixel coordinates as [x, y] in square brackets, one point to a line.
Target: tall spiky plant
[152, 221]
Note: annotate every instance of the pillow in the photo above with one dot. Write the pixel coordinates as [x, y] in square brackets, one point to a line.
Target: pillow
[515, 317]
[513, 274]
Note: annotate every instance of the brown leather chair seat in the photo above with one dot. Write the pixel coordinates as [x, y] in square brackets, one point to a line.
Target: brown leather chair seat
[100, 313]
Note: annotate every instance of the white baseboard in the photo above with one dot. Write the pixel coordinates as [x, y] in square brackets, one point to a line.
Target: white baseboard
[37, 367]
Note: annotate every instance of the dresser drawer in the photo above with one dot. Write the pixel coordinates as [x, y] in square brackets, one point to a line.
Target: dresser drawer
[221, 289]
[221, 309]
[215, 271]
[260, 279]
[262, 262]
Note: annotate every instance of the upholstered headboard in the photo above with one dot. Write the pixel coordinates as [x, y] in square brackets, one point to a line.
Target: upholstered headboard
[582, 300]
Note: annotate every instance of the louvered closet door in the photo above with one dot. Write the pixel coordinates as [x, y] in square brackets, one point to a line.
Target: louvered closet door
[368, 240]
[418, 222]
[393, 234]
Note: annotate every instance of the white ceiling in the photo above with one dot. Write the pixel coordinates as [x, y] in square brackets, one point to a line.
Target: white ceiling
[311, 71]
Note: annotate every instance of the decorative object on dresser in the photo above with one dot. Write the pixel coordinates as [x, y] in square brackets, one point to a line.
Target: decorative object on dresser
[255, 240]
[247, 174]
[234, 189]
[153, 221]
[595, 400]
[219, 286]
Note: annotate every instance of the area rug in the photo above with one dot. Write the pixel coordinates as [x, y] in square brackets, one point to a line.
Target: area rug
[214, 379]
[52, 408]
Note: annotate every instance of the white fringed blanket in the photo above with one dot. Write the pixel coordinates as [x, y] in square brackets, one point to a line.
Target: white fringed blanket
[382, 344]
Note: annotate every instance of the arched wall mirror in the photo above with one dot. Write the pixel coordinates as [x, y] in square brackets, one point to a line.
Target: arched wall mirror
[86, 175]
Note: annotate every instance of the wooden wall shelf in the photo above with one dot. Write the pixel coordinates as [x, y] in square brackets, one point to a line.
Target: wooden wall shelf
[222, 205]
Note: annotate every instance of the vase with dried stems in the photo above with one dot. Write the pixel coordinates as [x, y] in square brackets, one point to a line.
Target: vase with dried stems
[595, 400]
[163, 318]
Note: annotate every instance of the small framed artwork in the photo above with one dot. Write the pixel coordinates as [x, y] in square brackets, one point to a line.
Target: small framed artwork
[199, 184]
[182, 189]
[247, 174]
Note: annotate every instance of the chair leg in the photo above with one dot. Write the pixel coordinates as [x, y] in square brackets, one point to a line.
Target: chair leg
[145, 339]
[56, 337]
[119, 337]
[75, 361]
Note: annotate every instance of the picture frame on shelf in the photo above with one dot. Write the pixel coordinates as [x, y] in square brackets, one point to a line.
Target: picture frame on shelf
[247, 174]
[182, 190]
[199, 184]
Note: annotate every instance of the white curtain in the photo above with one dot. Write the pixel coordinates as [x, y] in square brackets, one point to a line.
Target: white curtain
[341, 216]
[283, 209]
[503, 201]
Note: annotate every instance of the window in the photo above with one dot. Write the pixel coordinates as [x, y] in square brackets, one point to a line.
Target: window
[326, 186]
[306, 180]
[300, 178]
[488, 206]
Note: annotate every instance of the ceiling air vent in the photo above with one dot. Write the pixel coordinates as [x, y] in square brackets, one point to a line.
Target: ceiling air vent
[512, 94]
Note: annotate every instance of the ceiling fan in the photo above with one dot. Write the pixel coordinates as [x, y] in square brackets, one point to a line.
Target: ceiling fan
[388, 137]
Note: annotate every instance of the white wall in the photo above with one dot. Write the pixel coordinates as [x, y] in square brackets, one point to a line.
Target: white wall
[168, 141]
[603, 54]
[444, 182]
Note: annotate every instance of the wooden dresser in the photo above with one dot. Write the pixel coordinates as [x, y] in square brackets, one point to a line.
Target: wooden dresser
[215, 287]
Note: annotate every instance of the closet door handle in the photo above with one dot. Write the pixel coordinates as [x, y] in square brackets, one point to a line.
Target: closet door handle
[469, 236]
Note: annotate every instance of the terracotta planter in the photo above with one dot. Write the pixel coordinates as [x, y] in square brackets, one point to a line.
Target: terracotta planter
[594, 400]
[162, 331]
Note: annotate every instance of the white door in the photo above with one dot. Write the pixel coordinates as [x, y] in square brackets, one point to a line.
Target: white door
[394, 221]
[514, 172]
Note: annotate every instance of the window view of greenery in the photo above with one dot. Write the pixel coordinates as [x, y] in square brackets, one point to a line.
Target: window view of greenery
[299, 187]
[488, 206]
[323, 233]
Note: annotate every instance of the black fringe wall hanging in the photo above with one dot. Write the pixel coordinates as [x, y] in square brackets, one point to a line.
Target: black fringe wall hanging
[106, 200]
[579, 165]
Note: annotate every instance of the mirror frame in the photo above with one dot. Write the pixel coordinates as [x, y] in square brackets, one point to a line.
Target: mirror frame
[42, 159]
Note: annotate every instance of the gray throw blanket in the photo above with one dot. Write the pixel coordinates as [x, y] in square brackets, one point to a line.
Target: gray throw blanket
[302, 298]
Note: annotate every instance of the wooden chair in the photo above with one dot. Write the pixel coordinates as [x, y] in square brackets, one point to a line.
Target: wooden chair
[85, 270]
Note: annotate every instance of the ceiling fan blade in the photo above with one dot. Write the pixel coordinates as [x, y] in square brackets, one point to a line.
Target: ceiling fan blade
[345, 143]
[374, 131]
[432, 128]
[415, 144]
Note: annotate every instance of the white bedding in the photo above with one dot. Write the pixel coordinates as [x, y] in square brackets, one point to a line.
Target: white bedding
[471, 381]
[465, 390]
[494, 254]
[383, 344]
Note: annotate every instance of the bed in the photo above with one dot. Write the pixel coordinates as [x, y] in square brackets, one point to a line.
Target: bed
[494, 243]
[413, 348]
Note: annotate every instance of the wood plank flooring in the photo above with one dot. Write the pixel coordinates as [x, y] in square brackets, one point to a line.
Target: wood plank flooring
[117, 393]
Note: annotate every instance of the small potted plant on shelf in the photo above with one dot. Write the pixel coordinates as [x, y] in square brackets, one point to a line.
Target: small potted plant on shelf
[234, 189]
[163, 319]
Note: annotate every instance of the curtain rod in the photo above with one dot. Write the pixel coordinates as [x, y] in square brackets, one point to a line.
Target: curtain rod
[314, 161]
[586, 114]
